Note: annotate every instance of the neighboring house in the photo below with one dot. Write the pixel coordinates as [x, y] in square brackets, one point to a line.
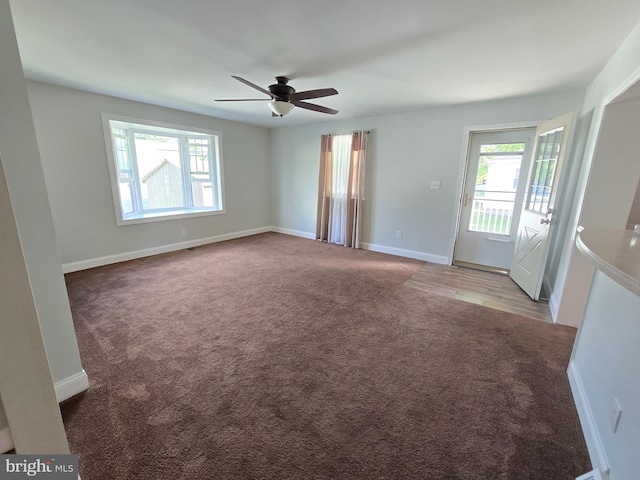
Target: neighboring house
[164, 186]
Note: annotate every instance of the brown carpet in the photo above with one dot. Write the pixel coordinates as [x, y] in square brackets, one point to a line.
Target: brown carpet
[274, 357]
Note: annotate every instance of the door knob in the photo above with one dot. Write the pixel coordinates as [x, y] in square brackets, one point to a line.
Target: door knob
[545, 221]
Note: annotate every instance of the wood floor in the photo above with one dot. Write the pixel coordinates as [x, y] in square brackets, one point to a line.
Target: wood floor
[483, 288]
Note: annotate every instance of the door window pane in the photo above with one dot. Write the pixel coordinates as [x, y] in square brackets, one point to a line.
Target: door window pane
[543, 171]
[495, 190]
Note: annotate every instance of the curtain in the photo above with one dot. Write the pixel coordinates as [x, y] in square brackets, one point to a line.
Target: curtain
[341, 188]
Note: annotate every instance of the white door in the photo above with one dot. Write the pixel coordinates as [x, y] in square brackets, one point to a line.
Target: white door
[537, 219]
[492, 197]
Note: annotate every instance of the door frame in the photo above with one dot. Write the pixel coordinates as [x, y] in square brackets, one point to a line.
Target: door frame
[462, 169]
[565, 307]
[482, 240]
[567, 122]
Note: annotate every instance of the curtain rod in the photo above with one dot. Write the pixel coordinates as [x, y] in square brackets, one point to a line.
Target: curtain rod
[348, 133]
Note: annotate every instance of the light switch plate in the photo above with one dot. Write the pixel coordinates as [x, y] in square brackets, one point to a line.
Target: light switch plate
[616, 412]
[435, 184]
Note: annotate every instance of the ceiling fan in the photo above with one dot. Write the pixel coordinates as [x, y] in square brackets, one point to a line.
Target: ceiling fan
[284, 97]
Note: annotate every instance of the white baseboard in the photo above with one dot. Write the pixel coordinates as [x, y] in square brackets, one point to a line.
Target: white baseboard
[594, 475]
[553, 298]
[147, 252]
[295, 233]
[65, 389]
[71, 386]
[592, 438]
[6, 441]
[401, 252]
[554, 305]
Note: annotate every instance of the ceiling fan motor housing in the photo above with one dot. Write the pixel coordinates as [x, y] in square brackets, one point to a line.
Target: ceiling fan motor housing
[281, 89]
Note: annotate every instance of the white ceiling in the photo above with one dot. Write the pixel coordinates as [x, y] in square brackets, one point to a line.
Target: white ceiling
[382, 56]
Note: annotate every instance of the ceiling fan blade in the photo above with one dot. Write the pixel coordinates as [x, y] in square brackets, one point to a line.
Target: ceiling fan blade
[253, 85]
[314, 107]
[307, 94]
[242, 100]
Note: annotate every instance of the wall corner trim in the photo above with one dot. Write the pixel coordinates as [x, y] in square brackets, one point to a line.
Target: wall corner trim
[6, 441]
[592, 438]
[65, 389]
[71, 386]
[554, 305]
[594, 475]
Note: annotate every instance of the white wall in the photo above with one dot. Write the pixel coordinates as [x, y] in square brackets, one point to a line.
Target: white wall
[33, 298]
[573, 272]
[614, 175]
[615, 170]
[69, 130]
[582, 124]
[603, 369]
[33, 215]
[605, 359]
[634, 212]
[28, 396]
[406, 151]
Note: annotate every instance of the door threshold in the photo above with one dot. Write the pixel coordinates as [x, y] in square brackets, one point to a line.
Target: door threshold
[485, 268]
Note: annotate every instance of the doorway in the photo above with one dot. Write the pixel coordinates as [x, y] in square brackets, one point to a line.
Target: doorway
[493, 192]
[611, 175]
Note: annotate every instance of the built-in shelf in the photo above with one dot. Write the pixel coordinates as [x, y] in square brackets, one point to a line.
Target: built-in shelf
[615, 252]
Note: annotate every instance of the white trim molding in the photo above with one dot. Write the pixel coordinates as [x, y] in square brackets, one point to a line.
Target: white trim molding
[6, 441]
[374, 247]
[71, 386]
[401, 252]
[592, 438]
[295, 233]
[462, 170]
[147, 252]
[553, 301]
[554, 305]
[594, 475]
[65, 389]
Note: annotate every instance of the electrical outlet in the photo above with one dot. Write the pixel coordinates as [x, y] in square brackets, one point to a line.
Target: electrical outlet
[435, 184]
[183, 231]
[616, 412]
[398, 233]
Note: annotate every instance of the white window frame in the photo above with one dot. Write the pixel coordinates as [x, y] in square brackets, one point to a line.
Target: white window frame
[166, 129]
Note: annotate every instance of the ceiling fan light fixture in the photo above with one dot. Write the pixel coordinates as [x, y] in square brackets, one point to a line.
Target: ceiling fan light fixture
[280, 108]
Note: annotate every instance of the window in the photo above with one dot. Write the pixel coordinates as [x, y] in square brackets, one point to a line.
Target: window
[160, 172]
[494, 196]
[543, 170]
[341, 188]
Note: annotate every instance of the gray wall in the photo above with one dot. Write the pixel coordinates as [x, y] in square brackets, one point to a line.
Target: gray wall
[602, 372]
[607, 343]
[634, 212]
[33, 298]
[69, 130]
[572, 271]
[406, 151]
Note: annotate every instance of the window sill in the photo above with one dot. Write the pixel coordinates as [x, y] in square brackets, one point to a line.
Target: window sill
[162, 216]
